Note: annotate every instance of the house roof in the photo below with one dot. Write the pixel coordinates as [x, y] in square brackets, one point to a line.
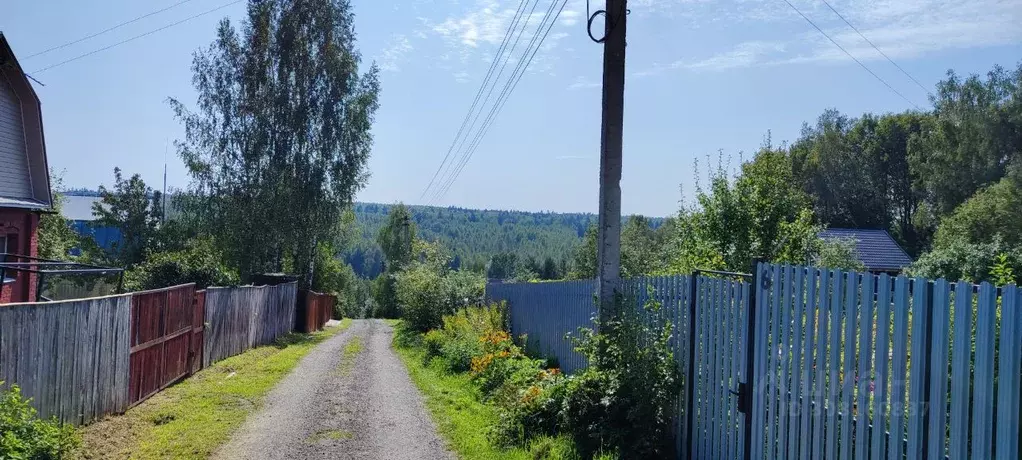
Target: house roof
[23, 203]
[32, 128]
[876, 249]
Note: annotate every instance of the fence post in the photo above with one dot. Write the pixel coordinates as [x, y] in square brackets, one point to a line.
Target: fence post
[927, 312]
[689, 379]
[745, 389]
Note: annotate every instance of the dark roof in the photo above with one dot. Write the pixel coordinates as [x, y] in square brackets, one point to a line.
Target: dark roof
[875, 248]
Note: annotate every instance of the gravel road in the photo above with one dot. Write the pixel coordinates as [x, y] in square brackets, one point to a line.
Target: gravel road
[337, 404]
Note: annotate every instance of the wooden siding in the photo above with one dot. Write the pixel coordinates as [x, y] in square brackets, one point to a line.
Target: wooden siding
[70, 357]
[15, 181]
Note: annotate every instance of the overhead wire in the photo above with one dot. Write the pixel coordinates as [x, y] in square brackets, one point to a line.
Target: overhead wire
[509, 88]
[920, 85]
[857, 61]
[110, 29]
[496, 80]
[136, 37]
[463, 153]
[479, 92]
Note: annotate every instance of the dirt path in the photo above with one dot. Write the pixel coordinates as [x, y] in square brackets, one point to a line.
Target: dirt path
[350, 398]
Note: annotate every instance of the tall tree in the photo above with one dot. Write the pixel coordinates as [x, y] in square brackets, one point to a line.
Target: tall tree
[397, 238]
[134, 209]
[280, 137]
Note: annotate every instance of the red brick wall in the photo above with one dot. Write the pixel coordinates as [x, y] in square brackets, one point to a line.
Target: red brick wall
[22, 229]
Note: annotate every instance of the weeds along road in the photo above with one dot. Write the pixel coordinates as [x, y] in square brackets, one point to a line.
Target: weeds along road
[351, 397]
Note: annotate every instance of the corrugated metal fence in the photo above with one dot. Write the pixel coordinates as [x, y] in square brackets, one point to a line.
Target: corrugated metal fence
[240, 318]
[82, 359]
[846, 365]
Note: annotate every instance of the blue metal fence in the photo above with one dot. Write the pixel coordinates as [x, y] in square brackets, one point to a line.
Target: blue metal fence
[846, 365]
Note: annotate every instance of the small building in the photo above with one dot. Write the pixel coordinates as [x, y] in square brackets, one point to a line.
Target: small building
[875, 248]
[24, 174]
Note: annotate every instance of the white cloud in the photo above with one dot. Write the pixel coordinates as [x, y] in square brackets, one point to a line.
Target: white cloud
[398, 47]
[569, 18]
[743, 55]
[582, 82]
[903, 29]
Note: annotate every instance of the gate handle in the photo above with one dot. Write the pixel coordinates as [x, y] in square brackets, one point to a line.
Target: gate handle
[734, 392]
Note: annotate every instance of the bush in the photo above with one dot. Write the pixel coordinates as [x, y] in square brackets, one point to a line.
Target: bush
[625, 400]
[425, 294]
[24, 436]
[960, 260]
[199, 263]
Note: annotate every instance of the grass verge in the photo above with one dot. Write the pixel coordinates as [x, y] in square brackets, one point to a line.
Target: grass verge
[194, 417]
[461, 416]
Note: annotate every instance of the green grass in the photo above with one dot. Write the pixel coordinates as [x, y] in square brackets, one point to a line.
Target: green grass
[461, 416]
[351, 351]
[193, 418]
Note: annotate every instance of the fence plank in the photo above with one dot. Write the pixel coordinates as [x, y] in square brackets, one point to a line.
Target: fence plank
[922, 311]
[939, 369]
[834, 361]
[1010, 373]
[785, 357]
[961, 359]
[881, 361]
[865, 368]
[244, 317]
[983, 384]
[794, 387]
[848, 385]
[806, 407]
[820, 363]
[773, 412]
[899, 369]
[759, 360]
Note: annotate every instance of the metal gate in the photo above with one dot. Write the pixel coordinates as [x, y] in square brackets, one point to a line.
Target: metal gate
[721, 309]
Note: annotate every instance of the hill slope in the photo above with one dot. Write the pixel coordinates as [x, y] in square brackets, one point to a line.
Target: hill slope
[474, 235]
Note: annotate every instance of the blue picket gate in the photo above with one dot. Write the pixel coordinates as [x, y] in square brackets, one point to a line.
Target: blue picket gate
[836, 364]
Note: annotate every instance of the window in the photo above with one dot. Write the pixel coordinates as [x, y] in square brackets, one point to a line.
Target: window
[6, 277]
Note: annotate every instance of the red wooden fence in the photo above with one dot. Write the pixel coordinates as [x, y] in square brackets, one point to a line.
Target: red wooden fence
[314, 310]
[163, 324]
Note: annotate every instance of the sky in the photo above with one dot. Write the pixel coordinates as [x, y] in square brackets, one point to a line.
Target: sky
[706, 82]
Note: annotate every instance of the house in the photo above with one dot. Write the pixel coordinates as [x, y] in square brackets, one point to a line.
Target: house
[24, 174]
[876, 249]
[77, 208]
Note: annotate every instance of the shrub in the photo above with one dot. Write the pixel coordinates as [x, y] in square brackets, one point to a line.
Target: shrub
[24, 436]
[199, 263]
[624, 401]
[534, 410]
[425, 294]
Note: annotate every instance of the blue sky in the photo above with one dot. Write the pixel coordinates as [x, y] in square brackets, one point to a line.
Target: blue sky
[703, 77]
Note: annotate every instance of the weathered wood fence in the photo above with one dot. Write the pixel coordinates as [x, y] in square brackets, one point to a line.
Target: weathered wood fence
[813, 363]
[70, 357]
[82, 359]
[240, 318]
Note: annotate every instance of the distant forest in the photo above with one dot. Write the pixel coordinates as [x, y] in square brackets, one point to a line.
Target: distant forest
[474, 235]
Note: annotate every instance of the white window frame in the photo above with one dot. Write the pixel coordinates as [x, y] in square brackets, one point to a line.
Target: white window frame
[7, 278]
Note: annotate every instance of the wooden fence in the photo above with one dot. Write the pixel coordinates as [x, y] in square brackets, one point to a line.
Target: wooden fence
[845, 365]
[314, 310]
[82, 359]
[162, 348]
[240, 318]
[70, 357]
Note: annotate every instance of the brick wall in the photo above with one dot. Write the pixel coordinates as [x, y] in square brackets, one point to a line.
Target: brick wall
[22, 229]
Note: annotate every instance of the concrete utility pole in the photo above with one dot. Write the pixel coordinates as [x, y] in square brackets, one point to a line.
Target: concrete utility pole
[609, 248]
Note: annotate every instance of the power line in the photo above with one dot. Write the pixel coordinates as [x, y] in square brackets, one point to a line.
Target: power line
[466, 153]
[460, 148]
[810, 21]
[479, 92]
[877, 48]
[509, 88]
[118, 26]
[90, 53]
